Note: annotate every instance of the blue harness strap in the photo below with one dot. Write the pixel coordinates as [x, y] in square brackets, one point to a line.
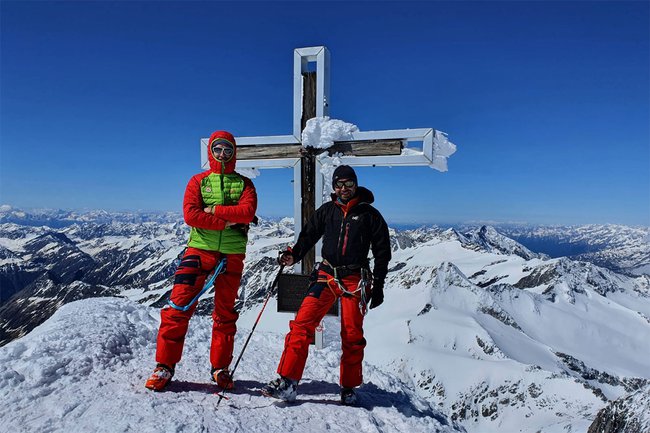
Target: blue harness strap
[221, 268]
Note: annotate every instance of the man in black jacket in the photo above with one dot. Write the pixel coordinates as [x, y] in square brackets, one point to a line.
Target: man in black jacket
[350, 228]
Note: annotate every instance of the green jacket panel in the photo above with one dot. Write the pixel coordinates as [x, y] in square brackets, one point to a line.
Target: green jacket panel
[220, 189]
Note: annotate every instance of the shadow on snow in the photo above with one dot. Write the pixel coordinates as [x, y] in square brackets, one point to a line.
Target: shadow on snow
[370, 396]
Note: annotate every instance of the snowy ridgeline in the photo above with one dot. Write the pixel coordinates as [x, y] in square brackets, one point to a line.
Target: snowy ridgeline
[477, 333]
[619, 248]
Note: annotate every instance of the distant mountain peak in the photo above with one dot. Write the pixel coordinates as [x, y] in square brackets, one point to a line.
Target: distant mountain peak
[449, 275]
[491, 240]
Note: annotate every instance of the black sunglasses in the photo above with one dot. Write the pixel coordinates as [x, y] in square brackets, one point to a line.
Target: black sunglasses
[342, 183]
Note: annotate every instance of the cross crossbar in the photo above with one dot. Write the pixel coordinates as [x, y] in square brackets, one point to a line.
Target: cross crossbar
[284, 151]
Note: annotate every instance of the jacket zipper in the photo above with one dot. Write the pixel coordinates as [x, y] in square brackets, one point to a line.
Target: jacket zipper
[341, 231]
[223, 201]
[345, 239]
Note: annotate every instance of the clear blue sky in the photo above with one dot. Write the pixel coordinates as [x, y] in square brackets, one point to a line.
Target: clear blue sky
[103, 103]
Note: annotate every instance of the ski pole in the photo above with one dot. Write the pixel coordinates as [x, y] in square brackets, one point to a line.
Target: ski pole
[268, 296]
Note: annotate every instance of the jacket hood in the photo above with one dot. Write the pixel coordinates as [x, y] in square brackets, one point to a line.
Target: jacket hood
[215, 165]
[363, 195]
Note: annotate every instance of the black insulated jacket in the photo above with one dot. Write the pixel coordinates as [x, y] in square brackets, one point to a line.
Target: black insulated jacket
[348, 236]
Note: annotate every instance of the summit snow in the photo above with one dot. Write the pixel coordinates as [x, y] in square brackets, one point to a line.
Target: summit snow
[477, 332]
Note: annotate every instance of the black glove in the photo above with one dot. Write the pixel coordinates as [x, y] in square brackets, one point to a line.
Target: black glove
[377, 297]
[285, 258]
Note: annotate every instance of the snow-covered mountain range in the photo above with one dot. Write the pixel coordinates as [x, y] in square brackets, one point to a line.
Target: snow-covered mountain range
[620, 248]
[478, 333]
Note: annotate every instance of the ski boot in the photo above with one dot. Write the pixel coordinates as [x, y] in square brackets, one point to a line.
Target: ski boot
[222, 377]
[282, 388]
[348, 397]
[160, 377]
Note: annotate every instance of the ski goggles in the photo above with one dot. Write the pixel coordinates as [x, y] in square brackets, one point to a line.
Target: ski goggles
[222, 147]
[344, 183]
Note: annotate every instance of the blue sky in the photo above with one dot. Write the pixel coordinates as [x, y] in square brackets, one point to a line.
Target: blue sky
[103, 103]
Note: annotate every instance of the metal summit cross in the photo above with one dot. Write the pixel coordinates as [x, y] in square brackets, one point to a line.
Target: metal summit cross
[311, 99]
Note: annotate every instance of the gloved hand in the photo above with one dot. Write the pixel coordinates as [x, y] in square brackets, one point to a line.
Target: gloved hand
[377, 296]
[285, 258]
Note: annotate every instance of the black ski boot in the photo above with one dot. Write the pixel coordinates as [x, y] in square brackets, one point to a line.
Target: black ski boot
[348, 397]
[282, 388]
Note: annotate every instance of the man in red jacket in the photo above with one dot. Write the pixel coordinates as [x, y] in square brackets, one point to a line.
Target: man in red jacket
[218, 205]
[350, 227]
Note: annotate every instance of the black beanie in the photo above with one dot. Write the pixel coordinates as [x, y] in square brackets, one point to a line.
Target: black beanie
[344, 172]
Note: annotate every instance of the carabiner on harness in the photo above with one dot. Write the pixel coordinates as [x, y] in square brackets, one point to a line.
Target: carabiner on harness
[342, 286]
[221, 268]
[362, 286]
[366, 277]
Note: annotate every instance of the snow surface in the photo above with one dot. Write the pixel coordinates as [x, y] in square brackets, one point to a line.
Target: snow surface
[322, 132]
[459, 335]
[442, 149]
[83, 371]
[327, 166]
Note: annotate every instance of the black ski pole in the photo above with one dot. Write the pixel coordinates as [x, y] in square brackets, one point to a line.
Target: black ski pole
[268, 296]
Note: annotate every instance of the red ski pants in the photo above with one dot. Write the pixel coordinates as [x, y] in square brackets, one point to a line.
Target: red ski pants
[320, 298]
[189, 279]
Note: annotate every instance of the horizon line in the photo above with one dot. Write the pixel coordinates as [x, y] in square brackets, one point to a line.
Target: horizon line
[411, 223]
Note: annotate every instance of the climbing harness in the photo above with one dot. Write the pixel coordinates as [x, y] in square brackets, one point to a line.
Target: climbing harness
[339, 272]
[221, 268]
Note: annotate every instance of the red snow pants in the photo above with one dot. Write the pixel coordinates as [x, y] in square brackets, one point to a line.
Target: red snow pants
[189, 279]
[320, 297]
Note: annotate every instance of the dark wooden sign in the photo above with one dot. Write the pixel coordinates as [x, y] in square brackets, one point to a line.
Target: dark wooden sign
[292, 289]
[347, 148]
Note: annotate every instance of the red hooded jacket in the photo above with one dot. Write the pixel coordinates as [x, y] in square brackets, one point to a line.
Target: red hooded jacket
[193, 206]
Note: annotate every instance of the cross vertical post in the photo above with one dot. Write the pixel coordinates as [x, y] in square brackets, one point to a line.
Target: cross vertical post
[315, 93]
[311, 94]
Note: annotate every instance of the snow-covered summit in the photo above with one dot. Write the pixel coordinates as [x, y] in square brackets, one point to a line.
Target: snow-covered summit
[624, 249]
[83, 370]
[491, 240]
